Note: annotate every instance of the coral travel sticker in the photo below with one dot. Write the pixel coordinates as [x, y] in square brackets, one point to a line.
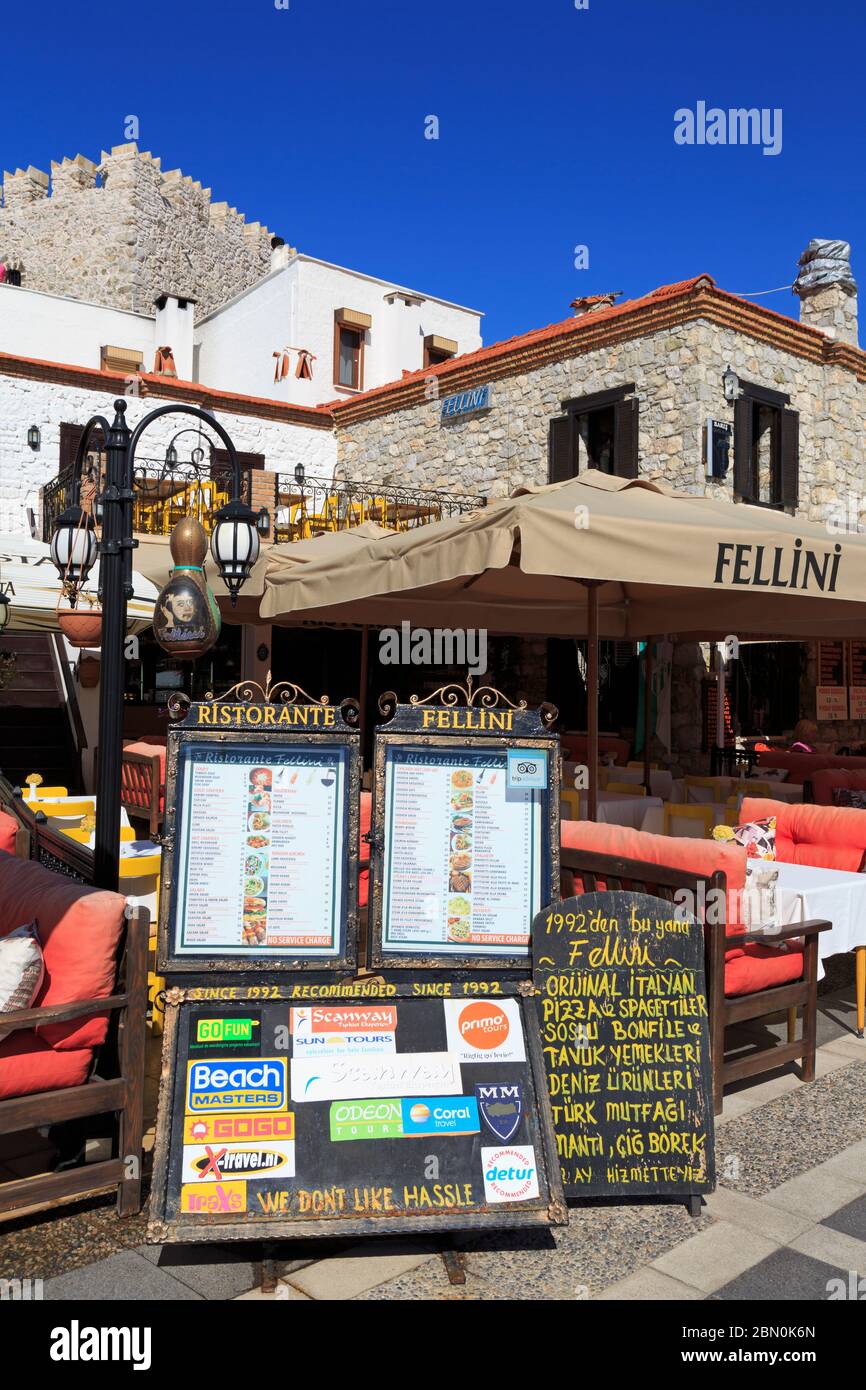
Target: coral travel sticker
[510, 1175]
[484, 1031]
[395, 1119]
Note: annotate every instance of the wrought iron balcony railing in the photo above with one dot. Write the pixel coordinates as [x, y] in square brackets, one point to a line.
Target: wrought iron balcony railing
[164, 494]
[314, 506]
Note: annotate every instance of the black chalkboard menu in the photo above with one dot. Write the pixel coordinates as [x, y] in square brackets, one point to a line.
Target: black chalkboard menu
[831, 663]
[299, 1109]
[625, 1038]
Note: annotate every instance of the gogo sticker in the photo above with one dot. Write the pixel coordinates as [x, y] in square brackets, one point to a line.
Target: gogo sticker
[484, 1030]
[216, 1162]
[510, 1175]
[501, 1107]
[259, 1083]
[207, 1129]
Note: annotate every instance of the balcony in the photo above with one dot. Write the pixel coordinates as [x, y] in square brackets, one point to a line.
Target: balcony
[164, 494]
[315, 506]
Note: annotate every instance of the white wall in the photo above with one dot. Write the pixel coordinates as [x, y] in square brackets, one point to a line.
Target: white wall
[294, 307]
[25, 402]
[54, 329]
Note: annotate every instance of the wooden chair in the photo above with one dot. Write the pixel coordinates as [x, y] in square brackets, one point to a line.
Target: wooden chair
[694, 812]
[116, 1085]
[141, 788]
[597, 872]
[69, 809]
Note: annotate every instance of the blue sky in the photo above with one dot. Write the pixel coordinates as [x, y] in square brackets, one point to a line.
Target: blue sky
[555, 130]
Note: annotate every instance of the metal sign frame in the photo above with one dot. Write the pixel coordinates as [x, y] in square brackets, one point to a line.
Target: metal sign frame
[284, 717]
[479, 719]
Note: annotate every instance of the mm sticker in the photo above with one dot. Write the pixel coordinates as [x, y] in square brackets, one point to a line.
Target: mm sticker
[322, 1018]
[501, 1107]
[213, 1199]
[510, 1174]
[210, 1129]
[484, 1031]
[222, 1162]
[230, 1084]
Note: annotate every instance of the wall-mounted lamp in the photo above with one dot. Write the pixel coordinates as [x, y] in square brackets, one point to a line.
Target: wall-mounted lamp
[197, 457]
[263, 520]
[731, 383]
[171, 456]
[34, 438]
[300, 474]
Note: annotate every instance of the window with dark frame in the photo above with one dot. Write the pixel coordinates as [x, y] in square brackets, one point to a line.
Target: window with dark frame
[438, 350]
[766, 448]
[595, 431]
[348, 356]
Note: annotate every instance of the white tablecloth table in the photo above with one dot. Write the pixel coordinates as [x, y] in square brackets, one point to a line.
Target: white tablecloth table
[616, 808]
[729, 786]
[661, 781]
[805, 893]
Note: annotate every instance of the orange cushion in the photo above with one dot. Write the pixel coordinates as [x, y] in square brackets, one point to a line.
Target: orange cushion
[828, 837]
[693, 856]
[8, 831]
[754, 967]
[79, 928]
[364, 851]
[28, 1065]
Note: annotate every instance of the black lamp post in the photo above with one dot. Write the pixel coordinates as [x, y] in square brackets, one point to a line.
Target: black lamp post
[235, 547]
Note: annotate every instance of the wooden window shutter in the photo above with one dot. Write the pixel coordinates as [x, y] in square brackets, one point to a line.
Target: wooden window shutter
[743, 478]
[561, 460]
[70, 437]
[625, 438]
[789, 458]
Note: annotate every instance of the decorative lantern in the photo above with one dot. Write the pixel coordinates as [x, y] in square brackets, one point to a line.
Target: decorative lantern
[186, 620]
[235, 544]
[73, 545]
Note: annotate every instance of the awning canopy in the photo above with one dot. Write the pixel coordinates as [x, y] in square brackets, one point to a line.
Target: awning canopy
[27, 567]
[662, 561]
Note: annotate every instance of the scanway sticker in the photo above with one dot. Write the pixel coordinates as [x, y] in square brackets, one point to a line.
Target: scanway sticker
[213, 1199]
[351, 1078]
[220, 1162]
[210, 1129]
[510, 1174]
[324, 1018]
[395, 1119]
[501, 1106]
[484, 1030]
[232, 1083]
[343, 1044]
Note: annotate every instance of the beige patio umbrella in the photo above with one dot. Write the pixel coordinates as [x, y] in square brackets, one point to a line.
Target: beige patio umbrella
[594, 556]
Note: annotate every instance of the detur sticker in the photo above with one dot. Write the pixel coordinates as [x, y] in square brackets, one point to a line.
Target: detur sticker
[222, 1162]
[510, 1174]
[230, 1083]
[484, 1030]
[325, 1018]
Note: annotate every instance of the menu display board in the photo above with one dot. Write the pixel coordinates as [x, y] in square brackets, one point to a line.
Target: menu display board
[625, 1038]
[857, 680]
[462, 851]
[262, 849]
[351, 1111]
[465, 836]
[831, 696]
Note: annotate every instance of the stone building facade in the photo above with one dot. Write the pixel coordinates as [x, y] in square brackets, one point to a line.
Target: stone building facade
[122, 231]
[667, 354]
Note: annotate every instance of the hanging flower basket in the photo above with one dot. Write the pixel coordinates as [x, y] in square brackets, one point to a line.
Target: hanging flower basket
[81, 627]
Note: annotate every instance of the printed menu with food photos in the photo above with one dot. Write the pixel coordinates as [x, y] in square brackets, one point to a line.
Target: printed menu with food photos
[462, 869]
[261, 852]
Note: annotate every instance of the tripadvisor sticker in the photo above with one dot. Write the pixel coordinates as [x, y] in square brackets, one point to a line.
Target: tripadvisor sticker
[527, 769]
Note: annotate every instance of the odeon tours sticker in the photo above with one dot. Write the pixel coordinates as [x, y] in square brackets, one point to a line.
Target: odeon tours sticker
[402, 1118]
[510, 1174]
[484, 1030]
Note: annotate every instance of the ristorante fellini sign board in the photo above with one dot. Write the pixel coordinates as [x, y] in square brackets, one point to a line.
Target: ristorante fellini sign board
[260, 866]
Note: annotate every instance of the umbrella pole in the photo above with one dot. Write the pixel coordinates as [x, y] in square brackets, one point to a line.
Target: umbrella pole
[592, 699]
[362, 701]
[647, 710]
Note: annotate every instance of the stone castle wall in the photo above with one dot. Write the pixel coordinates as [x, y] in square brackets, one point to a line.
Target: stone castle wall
[122, 232]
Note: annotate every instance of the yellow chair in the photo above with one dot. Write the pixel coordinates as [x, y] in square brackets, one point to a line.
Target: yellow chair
[82, 835]
[44, 792]
[603, 778]
[755, 789]
[654, 767]
[630, 788]
[713, 786]
[572, 801]
[731, 816]
[139, 865]
[68, 809]
[704, 815]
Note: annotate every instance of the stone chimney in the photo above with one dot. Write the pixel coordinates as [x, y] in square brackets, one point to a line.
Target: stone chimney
[828, 290]
[591, 303]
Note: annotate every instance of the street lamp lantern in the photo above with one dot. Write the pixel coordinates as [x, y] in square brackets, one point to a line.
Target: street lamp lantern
[171, 456]
[731, 383]
[234, 544]
[73, 545]
[4, 608]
